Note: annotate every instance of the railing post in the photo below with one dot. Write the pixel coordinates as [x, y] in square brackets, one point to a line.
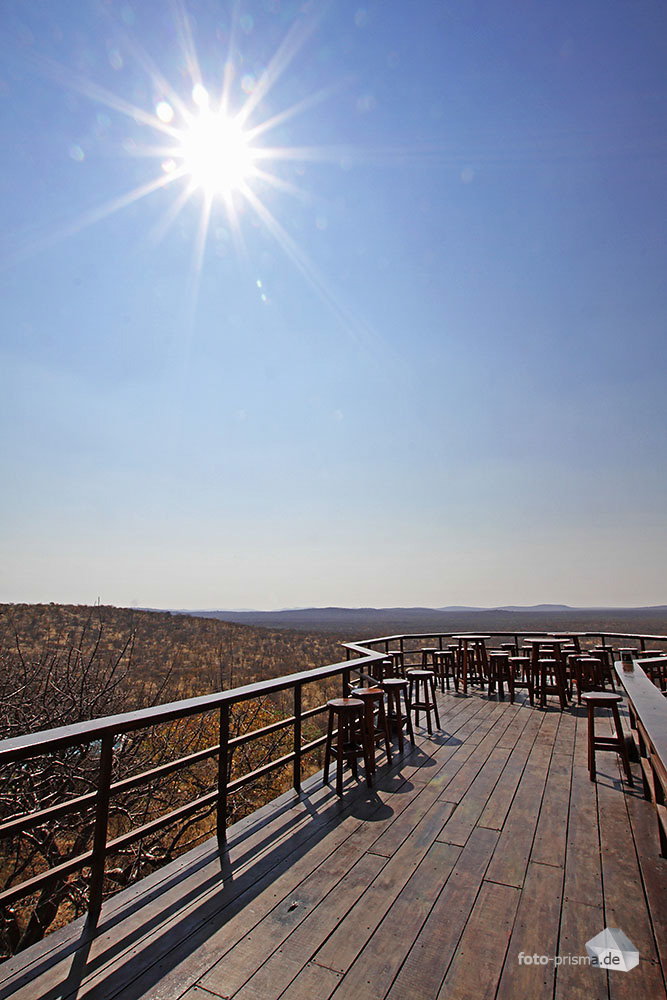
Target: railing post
[297, 737]
[100, 832]
[346, 684]
[223, 775]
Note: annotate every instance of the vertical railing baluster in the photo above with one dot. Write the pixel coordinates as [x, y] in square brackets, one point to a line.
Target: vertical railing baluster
[100, 832]
[223, 775]
[297, 737]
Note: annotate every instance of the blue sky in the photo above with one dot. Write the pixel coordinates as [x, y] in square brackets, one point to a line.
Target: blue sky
[421, 363]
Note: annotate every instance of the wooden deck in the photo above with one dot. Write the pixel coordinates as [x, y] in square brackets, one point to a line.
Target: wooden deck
[485, 841]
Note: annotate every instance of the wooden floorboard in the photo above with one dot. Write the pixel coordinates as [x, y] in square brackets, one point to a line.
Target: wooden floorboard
[482, 845]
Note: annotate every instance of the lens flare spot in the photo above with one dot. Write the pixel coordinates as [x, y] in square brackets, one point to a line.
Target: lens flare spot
[164, 111]
[248, 83]
[115, 59]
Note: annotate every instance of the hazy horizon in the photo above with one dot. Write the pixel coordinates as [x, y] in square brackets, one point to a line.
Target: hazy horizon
[351, 304]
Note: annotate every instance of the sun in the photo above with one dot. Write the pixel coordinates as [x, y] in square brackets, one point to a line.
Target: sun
[214, 150]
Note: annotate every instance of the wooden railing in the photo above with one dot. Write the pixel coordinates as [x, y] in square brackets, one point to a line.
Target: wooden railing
[107, 732]
[647, 706]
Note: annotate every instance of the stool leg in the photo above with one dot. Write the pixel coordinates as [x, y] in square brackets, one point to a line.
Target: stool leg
[408, 716]
[369, 759]
[510, 681]
[369, 729]
[426, 696]
[621, 744]
[382, 721]
[339, 757]
[435, 703]
[327, 751]
[396, 695]
[352, 734]
[492, 678]
[414, 697]
[591, 742]
[560, 684]
[542, 667]
[530, 683]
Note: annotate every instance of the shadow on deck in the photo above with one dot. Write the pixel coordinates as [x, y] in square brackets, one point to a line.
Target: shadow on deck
[485, 841]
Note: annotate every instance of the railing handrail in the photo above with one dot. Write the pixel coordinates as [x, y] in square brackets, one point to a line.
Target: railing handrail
[363, 643]
[48, 740]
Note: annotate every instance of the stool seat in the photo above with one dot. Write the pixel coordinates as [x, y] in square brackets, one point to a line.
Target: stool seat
[601, 698]
[343, 703]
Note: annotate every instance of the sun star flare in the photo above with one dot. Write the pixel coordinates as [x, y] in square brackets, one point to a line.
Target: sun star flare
[216, 154]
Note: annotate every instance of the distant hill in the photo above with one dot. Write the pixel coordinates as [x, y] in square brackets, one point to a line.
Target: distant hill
[359, 623]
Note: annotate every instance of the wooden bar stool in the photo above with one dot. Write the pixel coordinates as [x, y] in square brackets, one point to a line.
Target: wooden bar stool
[521, 665]
[373, 699]
[655, 668]
[587, 674]
[397, 657]
[603, 653]
[428, 656]
[499, 672]
[628, 653]
[472, 658]
[608, 700]
[552, 680]
[422, 696]
[351, 740]
[568, 640]
[394, 687]
[444, 667]
[381, 669]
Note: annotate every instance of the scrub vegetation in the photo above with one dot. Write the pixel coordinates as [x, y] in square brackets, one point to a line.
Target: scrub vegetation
[62, 664]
